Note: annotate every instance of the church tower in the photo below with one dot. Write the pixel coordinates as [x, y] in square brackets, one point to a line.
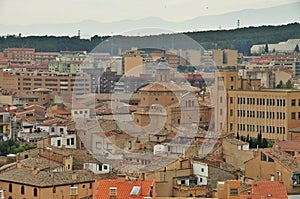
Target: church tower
[162, 73]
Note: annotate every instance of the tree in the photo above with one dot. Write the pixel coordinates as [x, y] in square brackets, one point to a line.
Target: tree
[289, 84]
[280, 85]
[248, 138]
[296, 48]
[259, 139]
[264, 143]
[273, 51]
[266, 48]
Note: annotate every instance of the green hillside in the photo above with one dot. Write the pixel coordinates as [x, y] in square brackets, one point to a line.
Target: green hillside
[241, 39]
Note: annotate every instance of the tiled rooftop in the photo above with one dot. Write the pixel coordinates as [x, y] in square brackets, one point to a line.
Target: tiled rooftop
[284, 158]
[162, 86]
[45, 179]
[267, 189]
[124, 188]
[236, 141]
[287, 145]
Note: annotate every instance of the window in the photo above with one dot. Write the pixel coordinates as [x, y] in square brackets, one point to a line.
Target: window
[231, 100]
[22, 190]
[293, 102]
[202, 169]
[54, 189]
[35, 192]
[91, 185]
[74, 191]
[263, 157]
[10, 188]
[231, 112]
[293, 116]
[58, 142]
[234, 192]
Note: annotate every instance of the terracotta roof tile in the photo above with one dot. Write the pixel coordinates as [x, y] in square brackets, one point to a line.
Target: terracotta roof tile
[287, 145]
[62, 112]
[124, 188]
[269, 189]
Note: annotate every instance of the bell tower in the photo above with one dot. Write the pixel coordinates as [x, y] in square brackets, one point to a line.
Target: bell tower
[162, 73]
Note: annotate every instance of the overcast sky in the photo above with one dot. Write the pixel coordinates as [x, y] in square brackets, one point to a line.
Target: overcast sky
[26, 12]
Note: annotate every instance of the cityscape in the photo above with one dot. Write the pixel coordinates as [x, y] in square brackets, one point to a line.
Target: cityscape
[210, 113]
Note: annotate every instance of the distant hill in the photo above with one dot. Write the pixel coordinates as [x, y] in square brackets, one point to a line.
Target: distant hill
[241, 39]
[282, 14]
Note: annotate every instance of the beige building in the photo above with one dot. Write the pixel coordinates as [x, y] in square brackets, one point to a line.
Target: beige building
[275, 165]
[23, 182]
[224, 58]
[133, 63]
[236, 152]
[271, 112]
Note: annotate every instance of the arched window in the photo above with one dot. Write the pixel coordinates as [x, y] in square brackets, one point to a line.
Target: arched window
[22, 190]
[9, 197]
[10, 188]
[35, 192]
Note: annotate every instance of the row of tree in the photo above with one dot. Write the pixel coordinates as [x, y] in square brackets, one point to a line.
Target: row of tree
[240, 39]
[256, 142]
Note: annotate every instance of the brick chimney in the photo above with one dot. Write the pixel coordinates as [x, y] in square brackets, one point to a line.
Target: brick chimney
[74, 176]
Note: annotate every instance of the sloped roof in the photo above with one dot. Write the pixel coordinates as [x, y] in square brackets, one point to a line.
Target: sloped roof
[124, 188]
[269, 189]
[162, 87]
[287, 145]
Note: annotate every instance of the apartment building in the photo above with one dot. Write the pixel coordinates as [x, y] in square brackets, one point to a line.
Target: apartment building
[59, 83]
[271, 112]
[224, 58]
[20, 56]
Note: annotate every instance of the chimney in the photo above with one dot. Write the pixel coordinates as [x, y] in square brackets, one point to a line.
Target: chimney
[35, 171]
[19, 165]
[112, 192]
[74, 176]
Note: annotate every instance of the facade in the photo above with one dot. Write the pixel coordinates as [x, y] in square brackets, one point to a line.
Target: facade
[230, 189]
[22, 182]
[108, 80]
[275, 165]
[282, 47]
[271, 112]
[5, 126]
[224, 58]
[20, 56]
[233, 148]
[58, 83]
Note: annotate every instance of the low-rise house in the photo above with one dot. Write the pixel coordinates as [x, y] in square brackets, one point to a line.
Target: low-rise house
[124, 189]
[290, 147]
[236, 152]
[266, 189]
[22, 182]
[97, 167]
[275, 165]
